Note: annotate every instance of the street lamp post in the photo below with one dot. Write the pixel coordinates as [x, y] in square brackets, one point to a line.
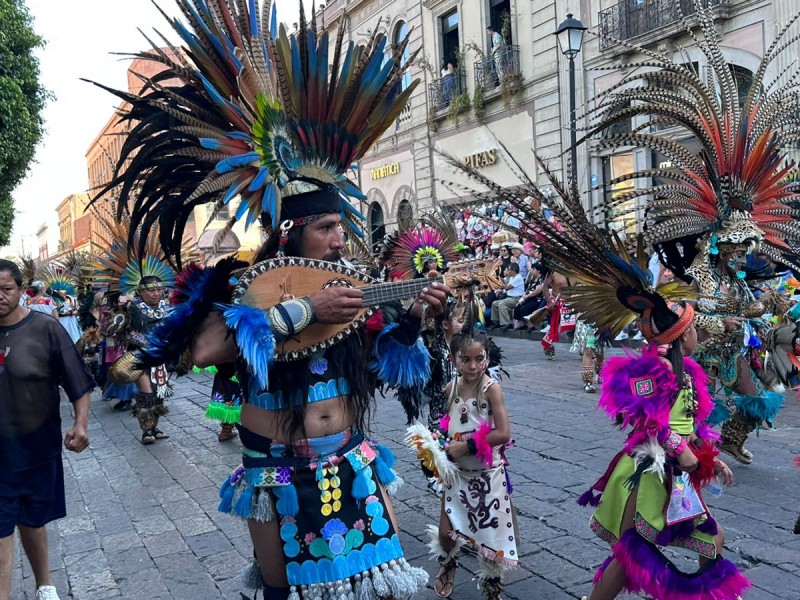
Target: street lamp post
[570, 38]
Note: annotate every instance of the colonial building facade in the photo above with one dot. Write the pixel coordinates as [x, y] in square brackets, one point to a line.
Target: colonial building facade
[472, 102]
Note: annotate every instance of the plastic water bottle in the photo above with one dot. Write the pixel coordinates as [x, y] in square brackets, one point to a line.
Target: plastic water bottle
[715, 487]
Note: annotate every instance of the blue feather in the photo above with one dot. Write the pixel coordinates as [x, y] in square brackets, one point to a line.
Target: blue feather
[273, 21]
[258, 180]
[232, 191]
[252, 215]
[271, 196]
[253, 337]
[170, 337]
[631, 268]
[239, 135]
[241, 210]
[348, 58]
[297, 71]
[236, 162]
[251, 8]
[311, 43]
[210, 143]
[400, 365]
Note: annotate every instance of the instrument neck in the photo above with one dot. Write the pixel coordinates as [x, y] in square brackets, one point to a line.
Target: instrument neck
[380, 293]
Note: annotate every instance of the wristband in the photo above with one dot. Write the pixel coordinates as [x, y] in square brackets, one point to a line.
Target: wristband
[472, 446]
[291, 317]
[674, 444]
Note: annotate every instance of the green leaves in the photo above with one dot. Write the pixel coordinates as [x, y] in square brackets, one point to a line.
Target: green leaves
[22, 99]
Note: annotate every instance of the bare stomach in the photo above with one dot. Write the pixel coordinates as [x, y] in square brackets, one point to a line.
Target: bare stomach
[322, 418]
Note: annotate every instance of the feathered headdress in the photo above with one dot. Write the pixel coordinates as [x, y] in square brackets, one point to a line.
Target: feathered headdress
[77, 265]
[28, 265]
[121, 267]
[242, 110]
[615, 286]
[736, 189]
[433, 240]
[57, 278]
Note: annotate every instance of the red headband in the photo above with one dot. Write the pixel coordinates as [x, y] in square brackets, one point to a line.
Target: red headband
[685, 318]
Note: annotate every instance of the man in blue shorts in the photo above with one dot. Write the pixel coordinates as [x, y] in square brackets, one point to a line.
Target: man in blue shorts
[36, 357]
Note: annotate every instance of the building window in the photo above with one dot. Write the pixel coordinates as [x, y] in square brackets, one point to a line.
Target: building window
[450, 43]
[621, 217]
[500, 19]
[743, 78]
[405, 215]
[400, 34]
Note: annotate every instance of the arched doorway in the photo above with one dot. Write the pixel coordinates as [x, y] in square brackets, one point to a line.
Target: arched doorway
[377, 229]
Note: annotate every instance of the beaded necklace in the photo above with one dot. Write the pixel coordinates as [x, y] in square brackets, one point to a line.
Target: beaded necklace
[690, 397]
[157, 313]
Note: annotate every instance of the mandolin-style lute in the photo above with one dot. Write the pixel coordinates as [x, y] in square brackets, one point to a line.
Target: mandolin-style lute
[272, 281]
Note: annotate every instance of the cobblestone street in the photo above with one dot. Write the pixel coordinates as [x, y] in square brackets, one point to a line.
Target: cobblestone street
[142, 521]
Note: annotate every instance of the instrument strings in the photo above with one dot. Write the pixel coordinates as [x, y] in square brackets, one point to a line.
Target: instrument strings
[395, 290]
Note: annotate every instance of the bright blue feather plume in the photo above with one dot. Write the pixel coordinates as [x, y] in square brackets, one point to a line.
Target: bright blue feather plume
[253, 337]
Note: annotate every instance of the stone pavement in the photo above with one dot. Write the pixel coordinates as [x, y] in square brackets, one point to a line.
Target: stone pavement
[143, 524]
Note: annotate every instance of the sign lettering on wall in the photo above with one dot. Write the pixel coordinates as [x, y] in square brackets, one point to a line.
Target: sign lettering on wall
[385, 171]
[481, 159]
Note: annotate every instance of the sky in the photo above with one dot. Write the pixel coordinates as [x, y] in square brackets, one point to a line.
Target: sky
[81, 36]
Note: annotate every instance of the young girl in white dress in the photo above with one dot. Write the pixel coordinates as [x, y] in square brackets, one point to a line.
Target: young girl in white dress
[476, 499]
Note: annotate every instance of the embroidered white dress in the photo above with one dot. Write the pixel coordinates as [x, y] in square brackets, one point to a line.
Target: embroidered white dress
[478, 503]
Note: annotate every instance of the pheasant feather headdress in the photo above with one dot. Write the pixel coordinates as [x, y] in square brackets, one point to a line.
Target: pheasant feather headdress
[736, 188]
[614, 285]
[243, 110]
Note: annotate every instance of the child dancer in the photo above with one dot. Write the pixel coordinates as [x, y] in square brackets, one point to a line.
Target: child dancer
[476, 499]
[651, 494]
[587, 343]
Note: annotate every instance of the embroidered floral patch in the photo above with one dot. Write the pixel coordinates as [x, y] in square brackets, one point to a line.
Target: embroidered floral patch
[643, 386]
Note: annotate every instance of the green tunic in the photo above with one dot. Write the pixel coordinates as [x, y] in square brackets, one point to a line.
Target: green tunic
[652, 496]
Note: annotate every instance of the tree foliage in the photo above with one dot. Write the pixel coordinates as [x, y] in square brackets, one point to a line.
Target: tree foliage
[22, 99]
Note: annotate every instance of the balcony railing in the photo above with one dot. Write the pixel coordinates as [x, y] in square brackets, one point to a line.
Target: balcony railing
[492, 70]
[632, 18]
[442, 91]
[405, 115]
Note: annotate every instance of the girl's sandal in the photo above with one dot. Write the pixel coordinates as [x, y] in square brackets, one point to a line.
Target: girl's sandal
[444, 584]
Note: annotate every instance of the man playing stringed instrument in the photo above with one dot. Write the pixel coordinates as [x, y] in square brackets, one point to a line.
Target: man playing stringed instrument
[262, 117]
[320, 429]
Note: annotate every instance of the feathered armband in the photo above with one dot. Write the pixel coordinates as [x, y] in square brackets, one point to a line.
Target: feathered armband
[399, 361]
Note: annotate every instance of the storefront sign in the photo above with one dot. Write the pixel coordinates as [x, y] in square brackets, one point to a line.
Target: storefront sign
[481, 159]
[385, 171]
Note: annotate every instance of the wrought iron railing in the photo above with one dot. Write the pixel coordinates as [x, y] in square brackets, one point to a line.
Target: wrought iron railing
[405, 115]
[632, 18]
[442, 91]
[491, 70]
